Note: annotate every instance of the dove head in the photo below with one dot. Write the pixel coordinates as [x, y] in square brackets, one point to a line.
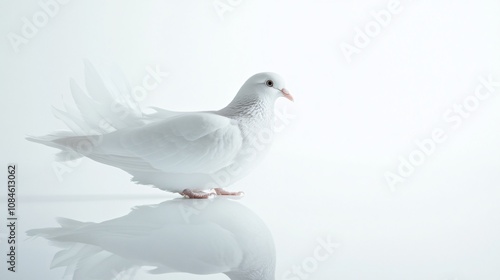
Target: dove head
[257, 96]
[264, 86]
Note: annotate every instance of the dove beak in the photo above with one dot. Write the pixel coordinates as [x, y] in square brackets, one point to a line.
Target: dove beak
[287, 94]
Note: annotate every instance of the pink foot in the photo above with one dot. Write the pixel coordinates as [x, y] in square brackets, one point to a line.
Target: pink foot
[221, 191]
[196, 194]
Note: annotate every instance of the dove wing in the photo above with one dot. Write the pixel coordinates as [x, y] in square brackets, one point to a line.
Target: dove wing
[188, 143]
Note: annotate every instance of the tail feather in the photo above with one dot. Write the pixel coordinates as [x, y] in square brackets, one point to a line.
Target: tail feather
[105, 106]
[72, 147]
[73, 122]
[86, 107]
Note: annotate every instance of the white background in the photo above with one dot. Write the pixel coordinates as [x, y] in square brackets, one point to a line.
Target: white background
[352, 122]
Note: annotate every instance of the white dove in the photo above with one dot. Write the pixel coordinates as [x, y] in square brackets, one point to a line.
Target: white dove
[180, 235]
[180, 152]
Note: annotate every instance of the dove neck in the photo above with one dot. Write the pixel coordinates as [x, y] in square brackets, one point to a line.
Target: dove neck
[248, 107]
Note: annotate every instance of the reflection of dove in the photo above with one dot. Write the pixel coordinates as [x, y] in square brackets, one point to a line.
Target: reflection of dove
[183, 152]
[216, 236]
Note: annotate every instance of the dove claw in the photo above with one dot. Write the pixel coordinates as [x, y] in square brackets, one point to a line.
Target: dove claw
[221, 191]
[187, 193]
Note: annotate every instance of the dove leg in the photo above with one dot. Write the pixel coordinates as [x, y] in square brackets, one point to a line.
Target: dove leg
[197, 195]
[221, 191]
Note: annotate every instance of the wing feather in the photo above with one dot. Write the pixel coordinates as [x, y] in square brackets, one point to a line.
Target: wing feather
[188, 143]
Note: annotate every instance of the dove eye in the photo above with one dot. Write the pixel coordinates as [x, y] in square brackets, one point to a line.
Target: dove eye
[269, 83]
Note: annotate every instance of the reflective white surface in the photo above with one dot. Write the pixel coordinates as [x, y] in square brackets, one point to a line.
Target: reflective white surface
[177, 236]
[192, 236]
